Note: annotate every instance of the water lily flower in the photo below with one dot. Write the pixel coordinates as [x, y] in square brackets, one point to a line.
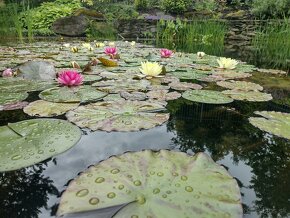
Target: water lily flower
[111, 44]
[150, 69]
[111, 51]
[227, 63]
[70, 78]
[67, 45]
[7, 73]
[200, 54]
[100, 44]
[133, 43]
[75, 65]
[74, 49]
[166, 53]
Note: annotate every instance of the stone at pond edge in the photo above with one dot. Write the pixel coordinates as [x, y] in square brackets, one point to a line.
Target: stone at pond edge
[155, 184]
[31, 141]
[37, 70]
[71, 26]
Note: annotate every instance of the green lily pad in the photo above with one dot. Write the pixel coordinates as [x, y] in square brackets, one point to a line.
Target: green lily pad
[206, 96]
[133, 96]
[31, 141]
[189, 75]
[273, 122]
[72, 94]
[8, 98]
[248, 96]
[120, 115]
[42, 108]
[23, 85]
[183, 86]
[155, 184]
[163, 95]
[116, 86]
[90, 78]
[240, 85]
[221, 76]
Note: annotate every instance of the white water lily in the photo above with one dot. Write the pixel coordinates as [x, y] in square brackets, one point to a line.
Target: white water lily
[67, 45]
[227, 63]
[100, 44]
[151, 69]
[111, 43]
[86, 45]
[133, 43]
[200, 54]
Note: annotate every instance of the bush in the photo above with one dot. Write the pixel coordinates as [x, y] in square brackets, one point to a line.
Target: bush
[271, 8]
[141, 4]
[207, 5]
[48, 12]
[176, 6]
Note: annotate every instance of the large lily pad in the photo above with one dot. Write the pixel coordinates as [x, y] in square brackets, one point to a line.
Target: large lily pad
[206, 96]
[116, 86]
[248, 96]
[42, 108]
[32, 141]
[190, 75]
[273, 122]
[9, 98]
[155, 184]
[240, 85]
[72, 94]
[120, 115]
[163, 95]
[183, 86]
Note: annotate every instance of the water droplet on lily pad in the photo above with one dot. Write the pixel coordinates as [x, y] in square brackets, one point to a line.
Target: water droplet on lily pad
[111, 195]
[115, 171]
[100, 180]
[137, 183]
[94, 201]
[188, 189]
[156, 191]
[183, 178]
[82, 193]
[16, 157]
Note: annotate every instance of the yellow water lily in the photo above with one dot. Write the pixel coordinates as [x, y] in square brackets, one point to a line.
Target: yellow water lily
[111, 43]
[86, 45]
[151, 69]
[74, 49]
[100, 44]
[133, 43]
[227, 63]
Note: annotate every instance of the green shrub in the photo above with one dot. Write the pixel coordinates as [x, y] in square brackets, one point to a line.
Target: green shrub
[141, 4]
[207, 5]
[271, 8]
[176, 6]
[48, 12]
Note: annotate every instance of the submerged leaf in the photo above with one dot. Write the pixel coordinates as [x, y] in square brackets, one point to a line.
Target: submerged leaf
[155, 184]
[31, 141]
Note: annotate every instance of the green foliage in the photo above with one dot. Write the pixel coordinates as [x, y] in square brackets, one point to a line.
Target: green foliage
[141, 4]
[176, 6]
[207, 5]
[273, 43]
[194, 36]
[118, 11]
[271, 8]
[48, 12]
[99, 30]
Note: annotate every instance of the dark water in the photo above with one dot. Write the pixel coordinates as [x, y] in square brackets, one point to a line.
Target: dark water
[259, 161]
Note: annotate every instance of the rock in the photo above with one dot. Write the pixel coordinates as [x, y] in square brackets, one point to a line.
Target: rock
[37, 70]
[236, 15]
[89, 13]
[71, 26]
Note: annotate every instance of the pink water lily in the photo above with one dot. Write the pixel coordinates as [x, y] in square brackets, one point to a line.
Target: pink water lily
[165, 53]
[7, 73]
[70, 78]
[111, 51]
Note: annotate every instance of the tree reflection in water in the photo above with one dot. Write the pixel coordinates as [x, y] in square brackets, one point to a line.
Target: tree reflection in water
[24, 192]
[220, 131]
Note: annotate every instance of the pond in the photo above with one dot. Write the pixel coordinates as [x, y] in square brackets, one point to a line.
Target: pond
[214, 123]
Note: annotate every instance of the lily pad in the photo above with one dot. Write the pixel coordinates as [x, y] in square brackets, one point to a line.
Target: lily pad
[183, 86]
[163, 95]
[273, 122]
[31, 141]
[13, 106]
[248, 96]
[206, 96]
[116, 86]
[133, 96]
[221, 76]
[240, 85]
[90, 78]
[120, 115]
[189, 75]
[9, 98]
[155, 184]
[72, 94]
[42, 108]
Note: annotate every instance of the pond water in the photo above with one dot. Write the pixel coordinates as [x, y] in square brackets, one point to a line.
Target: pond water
[259, 161]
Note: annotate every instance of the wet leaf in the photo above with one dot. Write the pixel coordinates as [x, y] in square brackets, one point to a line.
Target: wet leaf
[248, 96]
[11, 98]
[155, 184]
[31, 141]
[183, 86]
[240, 85]
[163, 95]
[206, 96]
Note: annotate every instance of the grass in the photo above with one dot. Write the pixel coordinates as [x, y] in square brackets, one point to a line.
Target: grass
[272, 43]
[203, 35]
